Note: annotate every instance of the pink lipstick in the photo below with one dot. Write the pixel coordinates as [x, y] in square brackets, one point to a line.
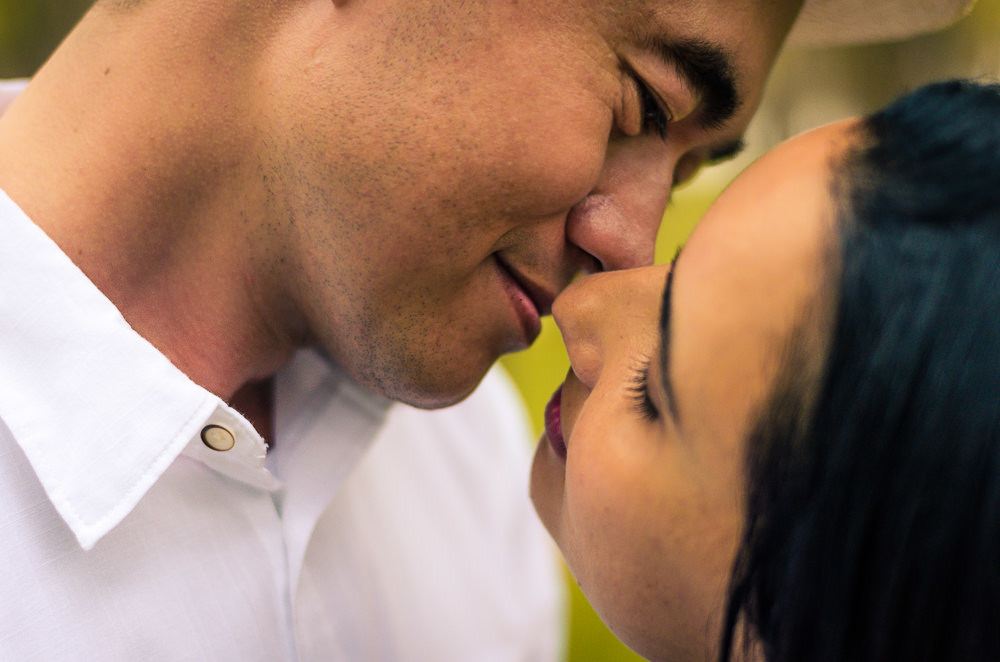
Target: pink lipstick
[553, 424]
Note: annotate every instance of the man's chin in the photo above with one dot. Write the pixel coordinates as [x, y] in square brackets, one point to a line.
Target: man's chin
[423, 389]
[424, 395]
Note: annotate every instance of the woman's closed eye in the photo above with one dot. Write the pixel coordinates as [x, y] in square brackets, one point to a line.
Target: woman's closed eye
[639, 391]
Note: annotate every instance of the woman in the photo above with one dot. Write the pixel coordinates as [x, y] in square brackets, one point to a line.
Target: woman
[786, 445]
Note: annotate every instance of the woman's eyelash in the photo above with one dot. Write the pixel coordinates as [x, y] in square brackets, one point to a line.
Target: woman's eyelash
[639, 390]
[654, 117]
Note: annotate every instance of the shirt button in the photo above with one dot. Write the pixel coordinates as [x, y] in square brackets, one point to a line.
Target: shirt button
[217, 438]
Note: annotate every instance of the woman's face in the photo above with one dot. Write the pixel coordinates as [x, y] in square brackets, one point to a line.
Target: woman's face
[639, 477]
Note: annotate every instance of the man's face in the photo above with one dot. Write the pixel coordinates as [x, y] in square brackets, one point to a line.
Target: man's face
[436, 172]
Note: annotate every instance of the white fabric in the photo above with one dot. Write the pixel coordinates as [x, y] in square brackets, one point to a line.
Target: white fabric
[463, 572]
[370, 532]
[9, 90]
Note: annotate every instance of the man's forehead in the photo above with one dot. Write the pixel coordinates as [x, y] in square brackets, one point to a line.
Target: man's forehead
[689, 18]
[737, 26]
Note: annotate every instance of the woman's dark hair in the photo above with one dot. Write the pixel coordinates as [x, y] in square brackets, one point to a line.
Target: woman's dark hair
[873, 509]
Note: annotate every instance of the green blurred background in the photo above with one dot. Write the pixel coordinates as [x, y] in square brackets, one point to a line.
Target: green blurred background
[807, 88]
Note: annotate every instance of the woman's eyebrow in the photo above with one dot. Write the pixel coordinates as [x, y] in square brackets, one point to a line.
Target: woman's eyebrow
[665, 306]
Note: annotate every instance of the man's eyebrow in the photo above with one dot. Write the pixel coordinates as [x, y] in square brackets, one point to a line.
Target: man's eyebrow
[665, 306]
[710, 71]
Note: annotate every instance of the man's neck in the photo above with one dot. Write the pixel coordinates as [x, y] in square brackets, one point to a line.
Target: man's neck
[137, 167]
[255, 401]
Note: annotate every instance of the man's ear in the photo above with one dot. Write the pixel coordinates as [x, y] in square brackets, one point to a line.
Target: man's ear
[10, 90]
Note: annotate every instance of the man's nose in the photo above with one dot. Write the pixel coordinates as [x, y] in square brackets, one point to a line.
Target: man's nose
[618, 222]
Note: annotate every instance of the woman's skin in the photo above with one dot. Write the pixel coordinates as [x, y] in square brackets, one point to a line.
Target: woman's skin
[639, 478]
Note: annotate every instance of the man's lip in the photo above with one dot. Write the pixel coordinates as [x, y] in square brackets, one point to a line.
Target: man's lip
[539, 296]
[553, 424]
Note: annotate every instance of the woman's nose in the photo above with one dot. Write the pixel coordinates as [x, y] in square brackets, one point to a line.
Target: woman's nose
[577, 312]
[600, 314]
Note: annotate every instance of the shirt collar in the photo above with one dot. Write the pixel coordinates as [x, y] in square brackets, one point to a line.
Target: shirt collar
[325, 423]
[99, 412]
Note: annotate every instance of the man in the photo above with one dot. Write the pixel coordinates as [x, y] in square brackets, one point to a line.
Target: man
[233, 221]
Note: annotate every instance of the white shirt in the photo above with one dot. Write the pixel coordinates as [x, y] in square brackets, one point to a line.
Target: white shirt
[371, 532]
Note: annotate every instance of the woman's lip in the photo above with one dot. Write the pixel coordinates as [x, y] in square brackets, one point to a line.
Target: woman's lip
[553, 424]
